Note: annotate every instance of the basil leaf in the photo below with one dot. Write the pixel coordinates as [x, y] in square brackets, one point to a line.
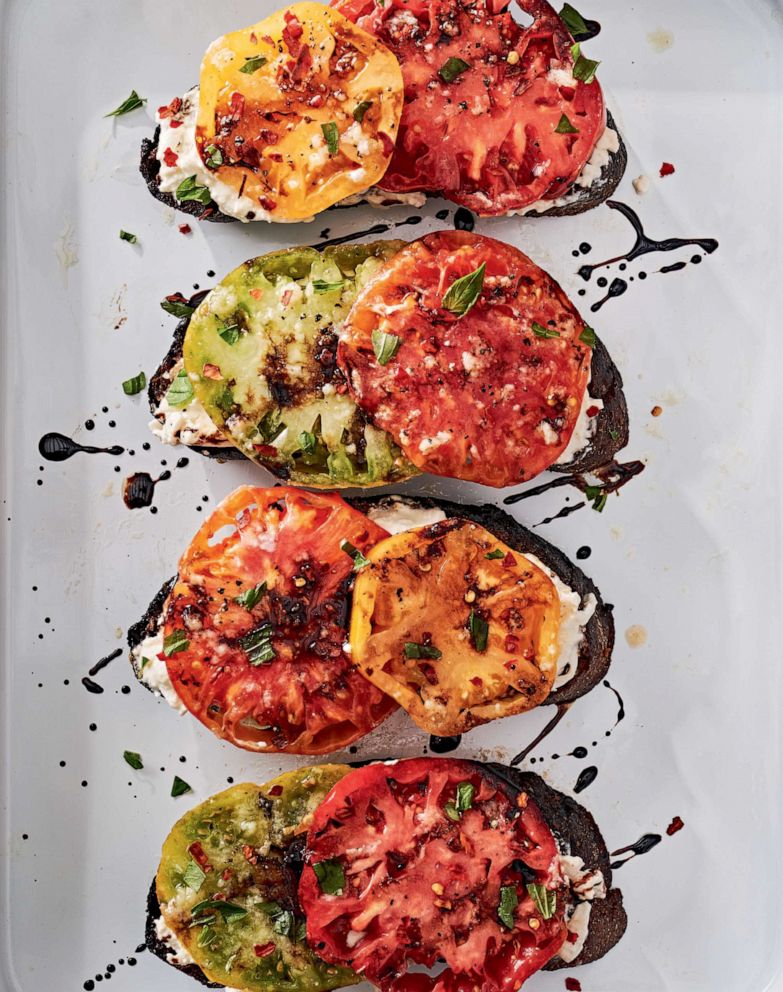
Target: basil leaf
[331, 877]
[229, 333]
[224, 400]
[361, 109]
[214, 156]
[565, 126]
[177, 308]
[193, 876]
[452, 812]
[283, 922]
[133, 102]
[130, 238]
[207, 937]
[385, 346]
[321, 286]
[270, 426]
[133, 758]
[250, 597]
[509, 900]
[544, 332]
[144, 663]
[495, 555]
[452, 68]
[544, 898]
[180, 392]
[597, 497]
[588, 337]
[189, 189]
[584, 68]
[301, 932]
[331, 136]
[573, 20]
[462, 294]
[175, 642]
[134, 385]
[413, 650]
[258, 645]
[228, 910]
[600, 503]
[465, 792]
[252, 64]
[307, 442]
[179, 787]
[479, 631]
[359, 561]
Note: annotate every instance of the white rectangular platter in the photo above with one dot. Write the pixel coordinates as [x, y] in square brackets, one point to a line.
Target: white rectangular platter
[691, 552]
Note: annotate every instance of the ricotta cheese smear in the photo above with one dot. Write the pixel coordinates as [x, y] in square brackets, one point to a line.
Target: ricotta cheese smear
[154, 674]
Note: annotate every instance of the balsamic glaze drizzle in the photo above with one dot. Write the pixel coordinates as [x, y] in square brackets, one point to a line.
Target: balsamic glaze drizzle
[100, 665]
[586, 778]
[645, 843]
[442, 745]
[614, 475]
[411, 221]
[138, 490]
[56, 447]
[562, 709]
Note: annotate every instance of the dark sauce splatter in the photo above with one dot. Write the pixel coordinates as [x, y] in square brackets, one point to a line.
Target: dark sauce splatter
[91, 686]
[442, 214]
[562, 709]
[375, 229]
[675, 826]
[100, 665]
[56, 447]
[676, 267]
[617, 288]
[442, 745]
[561, 514]
[645, 843]
[573, 985]
[583, 553]
[620, 705]
[464, 220]
[586, 778]
[138, 490]
[613, 476]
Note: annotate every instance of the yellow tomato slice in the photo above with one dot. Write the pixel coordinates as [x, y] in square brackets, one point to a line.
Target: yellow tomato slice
[299, 111]
[455, 626]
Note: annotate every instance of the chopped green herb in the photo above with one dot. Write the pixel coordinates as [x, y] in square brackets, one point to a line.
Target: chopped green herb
[600, 503]
[331, 877]
[228, 910]
[322, 286]
[270, 426]
[134, 385]
[385, 346]
[544, 332]
[252, 64]
[301, 932]
[214, 157]
[361, 109]
[133, 102]
[180, 392]
[179, 787]
[224, 400]
[331, 137]
[283, 922]
[565, 126]
[479, 631]
[258, 645]
[229, 333]
[175, 642]
[596, 496]
[588, 337]
[573, 20]
[130, 238]
[495, 555]
[462, 294]
[452, 68]
[359, 561]
[189, 189]
[207, 937]
[250, 597]
[413, 650]
[465, 792]
[584, 68]
[177, 308]
[144, 663]
[544, 898]
[133, 758]
[509, 900]
[307, 442]
[193, 876]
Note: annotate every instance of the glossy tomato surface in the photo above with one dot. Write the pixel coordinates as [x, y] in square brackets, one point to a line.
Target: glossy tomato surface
[414, 861]
[255, 625]
[491, 395]
[482, 123]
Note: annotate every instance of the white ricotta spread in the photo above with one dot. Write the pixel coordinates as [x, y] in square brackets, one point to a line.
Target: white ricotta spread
[584, 428]
[185, 425]
[179, 954]
[396, 515]
[154, 674]
[586, 885]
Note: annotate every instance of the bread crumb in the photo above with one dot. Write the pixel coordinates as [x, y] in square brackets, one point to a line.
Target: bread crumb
[636, 636]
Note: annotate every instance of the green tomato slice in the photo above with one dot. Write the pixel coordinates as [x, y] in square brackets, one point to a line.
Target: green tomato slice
[260, 351]
[229, 895]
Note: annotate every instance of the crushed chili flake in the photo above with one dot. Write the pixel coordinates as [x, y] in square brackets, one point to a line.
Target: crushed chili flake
[573, 985]
[266, 203]
[276, 790]
[185, 229]
[170, 157]
[212, 372]
[174, 124]
[198, 854]
[253, 38]
[256, 293]
[263, 950]
[509, 561]
[173, 108]
[593, 411]
[250, 854]
[667, 169]
[675, 826]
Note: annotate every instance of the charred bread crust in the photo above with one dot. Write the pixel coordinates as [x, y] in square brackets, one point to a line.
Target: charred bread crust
[586, 198]
[580, 199]
[611, 425]
[161, 949]
[149, 623]
[596, 651]
[577, 834]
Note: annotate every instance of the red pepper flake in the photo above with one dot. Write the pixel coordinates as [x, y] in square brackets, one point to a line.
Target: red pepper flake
[509, 561]
[667, 169]
[256, 293]
[212, 372]
[263, 950]
[236, 105]
[593, 411]
[285, 299]
[170, 158]
[572, 937]
[268, 450]
[316, 101]
[292, 32]
[227, 874]
[173, 108]
[386, 142]
[276, 790]
[511, 665]
[268, 39]
[573, 985]
[477, 682]
[253, 38]
[511, 644]
[185, 229]
[675, 826]
[266, 203]
[198, 854]
[250, 854]
[174, 124]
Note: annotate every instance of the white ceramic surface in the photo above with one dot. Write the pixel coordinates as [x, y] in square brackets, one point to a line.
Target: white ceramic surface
[691, 551]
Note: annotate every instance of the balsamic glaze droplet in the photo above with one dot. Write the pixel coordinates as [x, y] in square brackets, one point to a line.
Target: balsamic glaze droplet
[645, 843]
[442, 745]
[464, 220]
[56, 447]
[105, 661]
[442, 214]
[91, 686]
[586, 778]
[346, 238]
[138, 491]
[583, 553]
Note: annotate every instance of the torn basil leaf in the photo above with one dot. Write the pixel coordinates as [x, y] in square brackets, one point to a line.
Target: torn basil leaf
[175, 642]
[133, 102]
[135, 384]
[463, 293]
[385, 346]
[418, 651]
[331, 877]
[180, 392]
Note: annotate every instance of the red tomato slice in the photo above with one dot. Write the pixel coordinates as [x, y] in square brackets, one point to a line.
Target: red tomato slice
[492, 396]
[267, 671]
[414, 874]
[492, 137]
